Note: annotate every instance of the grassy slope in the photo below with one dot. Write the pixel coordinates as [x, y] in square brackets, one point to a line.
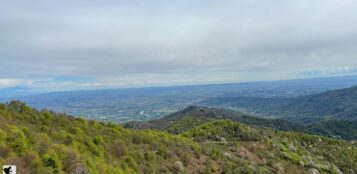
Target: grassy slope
[45, 142]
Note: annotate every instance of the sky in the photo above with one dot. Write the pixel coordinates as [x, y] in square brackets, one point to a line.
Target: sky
[48, 45]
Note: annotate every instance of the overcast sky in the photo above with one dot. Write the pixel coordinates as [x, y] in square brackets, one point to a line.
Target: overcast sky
[48, 45]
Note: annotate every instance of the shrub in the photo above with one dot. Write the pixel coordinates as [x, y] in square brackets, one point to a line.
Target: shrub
[98, 140]
[70, 159]
[162, 151]
[69, 139]
[17, 140]
[43, 143]
[51, 160]
[46, 114]
[95, 150]
[149, 156]
[215, 153]
[32, 160]
[2, 135]
[131, 163]
[118, 149]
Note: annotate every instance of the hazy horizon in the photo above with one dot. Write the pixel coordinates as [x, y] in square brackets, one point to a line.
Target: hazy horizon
[13, 93]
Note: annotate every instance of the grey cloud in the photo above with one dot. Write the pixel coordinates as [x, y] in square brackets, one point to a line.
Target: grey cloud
[176, 39]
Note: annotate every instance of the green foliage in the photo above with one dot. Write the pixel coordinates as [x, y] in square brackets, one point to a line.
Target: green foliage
[2, 135]
[224, 130]
[131, 163]
[46, 114]
[185, 124]
[342, 129]
[48, 142]
[97, 140]
[19, 106]
[43, 143]
[16, 139]
[52, 161]
[215, 153]
[68, 139]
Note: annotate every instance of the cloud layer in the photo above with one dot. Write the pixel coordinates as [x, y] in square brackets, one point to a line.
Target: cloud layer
[121, 43]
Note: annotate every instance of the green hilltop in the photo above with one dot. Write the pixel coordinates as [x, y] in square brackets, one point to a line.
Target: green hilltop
[44, 142]
[192, 116]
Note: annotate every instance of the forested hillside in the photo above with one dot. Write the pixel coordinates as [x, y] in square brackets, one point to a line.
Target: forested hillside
[193, 116]
[46, 142]
[336, 104]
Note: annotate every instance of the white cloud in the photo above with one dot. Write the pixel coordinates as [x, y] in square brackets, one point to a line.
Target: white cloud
[6, 83]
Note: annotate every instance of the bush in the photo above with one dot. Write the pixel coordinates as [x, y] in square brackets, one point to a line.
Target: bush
[95, 150]
[149, 156]
[98, 140]
[118, 149]
[2, 135]
[162, 151]
[32, 160]
[69, 139]
[70, 159]
[46, 114]
[43, 143]
[131, 163]
[51, 160]
[17, 140]
[215, 153]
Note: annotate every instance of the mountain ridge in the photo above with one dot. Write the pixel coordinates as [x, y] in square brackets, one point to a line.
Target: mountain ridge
[196, 115]
[334, 104]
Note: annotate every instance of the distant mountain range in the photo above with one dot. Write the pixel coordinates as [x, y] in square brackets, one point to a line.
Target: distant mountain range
[122, 105]
[331, 105]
